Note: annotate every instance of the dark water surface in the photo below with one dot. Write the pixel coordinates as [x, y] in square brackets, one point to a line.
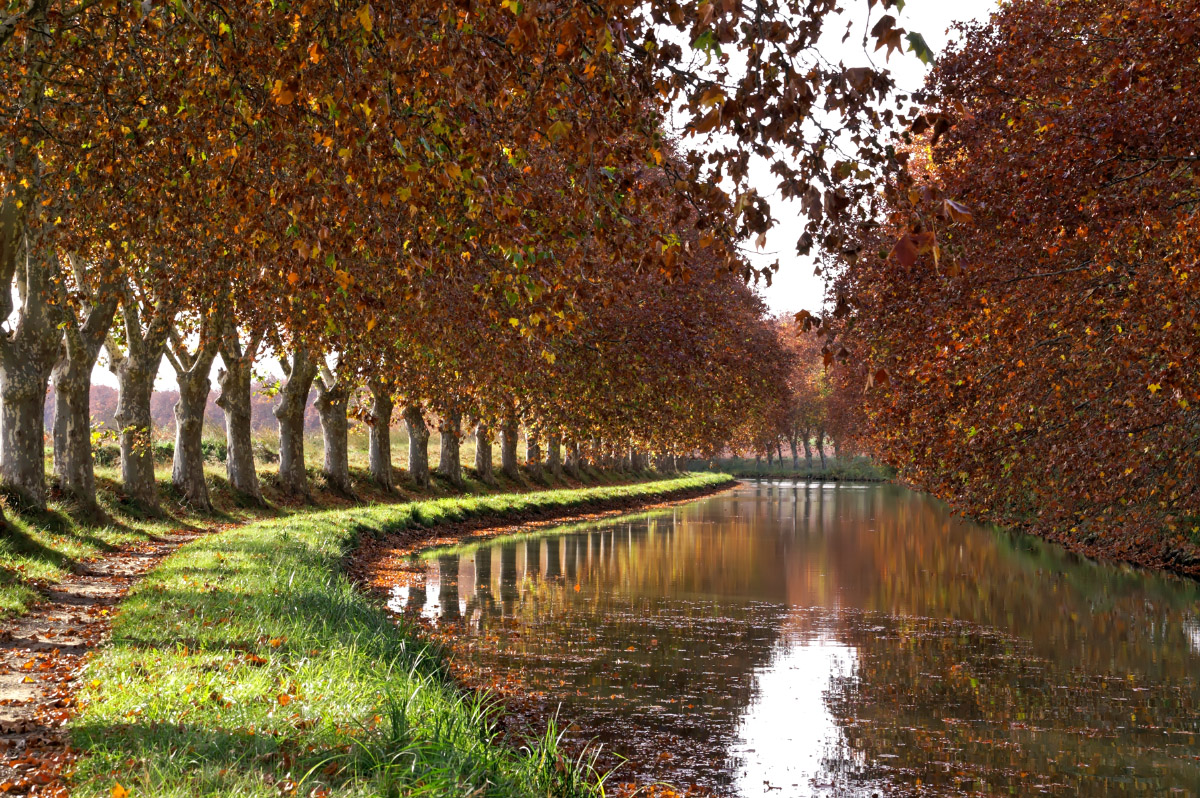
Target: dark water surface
[814, 639]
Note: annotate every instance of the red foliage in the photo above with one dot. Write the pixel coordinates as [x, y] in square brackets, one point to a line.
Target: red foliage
[1038, 319]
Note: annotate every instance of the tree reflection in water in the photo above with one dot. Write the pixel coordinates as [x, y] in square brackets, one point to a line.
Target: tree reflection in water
[820, 639]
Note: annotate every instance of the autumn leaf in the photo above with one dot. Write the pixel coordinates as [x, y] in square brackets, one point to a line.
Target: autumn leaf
[281, 94]
[363, 16]
[917, 45]
[118, 791]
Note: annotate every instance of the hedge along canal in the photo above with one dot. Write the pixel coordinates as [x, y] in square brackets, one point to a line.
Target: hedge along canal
[248, 663]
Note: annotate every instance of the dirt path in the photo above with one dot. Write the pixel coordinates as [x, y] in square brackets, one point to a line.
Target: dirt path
[41, 653]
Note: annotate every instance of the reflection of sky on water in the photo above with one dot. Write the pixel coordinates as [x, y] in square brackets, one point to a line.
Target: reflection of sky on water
[786, 735]
[797, 640]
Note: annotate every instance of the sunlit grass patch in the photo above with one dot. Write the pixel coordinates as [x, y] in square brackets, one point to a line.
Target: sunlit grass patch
[247, 664]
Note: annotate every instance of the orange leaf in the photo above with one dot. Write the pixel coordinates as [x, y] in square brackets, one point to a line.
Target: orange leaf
[119, 792]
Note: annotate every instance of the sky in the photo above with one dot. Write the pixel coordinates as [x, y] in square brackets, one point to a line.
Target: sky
[795, 287]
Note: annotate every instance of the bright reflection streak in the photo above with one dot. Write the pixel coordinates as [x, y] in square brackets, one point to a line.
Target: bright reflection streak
[787, 731]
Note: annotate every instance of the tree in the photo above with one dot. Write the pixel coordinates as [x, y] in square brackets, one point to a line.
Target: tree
[1025, 311]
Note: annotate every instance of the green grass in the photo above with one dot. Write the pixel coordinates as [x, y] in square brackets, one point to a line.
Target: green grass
[40, 548]
[246, 664]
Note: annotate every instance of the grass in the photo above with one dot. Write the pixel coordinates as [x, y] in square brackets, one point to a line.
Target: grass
[246, 664]
[40, 548]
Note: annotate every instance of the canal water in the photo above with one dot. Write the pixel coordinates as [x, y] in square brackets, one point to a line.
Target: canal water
[797, 639]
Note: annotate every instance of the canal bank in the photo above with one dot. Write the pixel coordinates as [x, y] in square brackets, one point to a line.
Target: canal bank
[248, 663]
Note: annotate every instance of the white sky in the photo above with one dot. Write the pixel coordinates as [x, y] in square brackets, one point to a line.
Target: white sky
[795, 287]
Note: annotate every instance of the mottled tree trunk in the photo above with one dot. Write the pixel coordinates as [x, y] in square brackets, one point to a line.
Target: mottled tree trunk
[821, 447]
[483, 454]
[554, 454]
[380, 435]
[450, 464]
[574, 459]
[23, 383]
[533, 452]
[73, 430]
[837, 450]
[72, 378]
[795, 452]
[235, 402]
[332, 403]
[418, 445]
[509, 433]
[193, 373]
[187, 467]
[28, 351]
[135, 384]
[807, 451]
[770, 458]
[293, 398]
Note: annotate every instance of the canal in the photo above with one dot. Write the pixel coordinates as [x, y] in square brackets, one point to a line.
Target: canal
[795, 639]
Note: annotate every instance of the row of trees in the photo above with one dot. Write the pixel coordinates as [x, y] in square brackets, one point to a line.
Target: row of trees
[1028, 309]
[469, 210]
[811, 406]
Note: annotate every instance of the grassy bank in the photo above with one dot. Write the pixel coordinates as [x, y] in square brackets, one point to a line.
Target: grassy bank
[247, 664]
[40, 548]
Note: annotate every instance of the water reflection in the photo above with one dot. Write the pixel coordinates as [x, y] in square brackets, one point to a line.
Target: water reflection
[801, 639]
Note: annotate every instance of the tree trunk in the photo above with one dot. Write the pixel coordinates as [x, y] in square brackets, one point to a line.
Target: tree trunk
[30, 348]
[554, 454]
[450, 464]
[135, 384]
[235, 402]
[293, 398]
[770, 458]
[795, 452]
[837, 450]
[73, 429]
[821, 446]
[187, 466]
[574, 459]
[332, 403]
[380, 435]
[533, 453]
[23, 383]
[483, 454]
[807, 451]
[418, 445]
[72, 377]
[508, 448]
